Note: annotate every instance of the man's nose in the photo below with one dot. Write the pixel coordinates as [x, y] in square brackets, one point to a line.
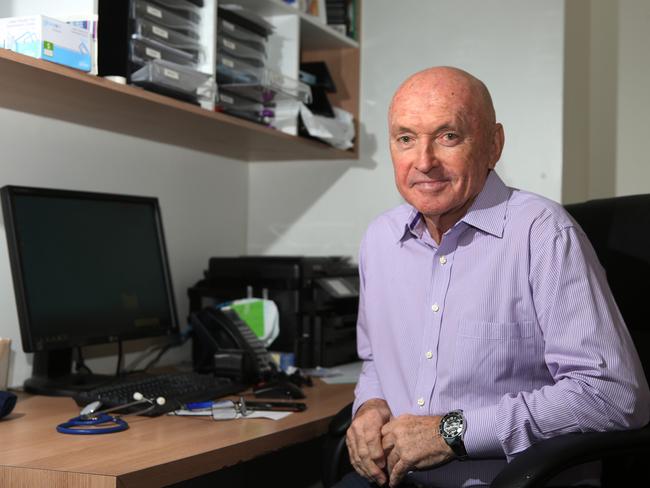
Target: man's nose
[426, 157]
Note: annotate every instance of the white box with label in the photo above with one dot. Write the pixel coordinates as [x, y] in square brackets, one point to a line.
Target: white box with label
[46, 38]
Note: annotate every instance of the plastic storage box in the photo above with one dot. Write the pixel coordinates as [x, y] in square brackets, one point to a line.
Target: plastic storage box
[181, 8]
[242, 34]
[141, 9]
[177, 80]
[233, 104]
[262, 84]
[144, 50]
[238, 49]
[156, 32]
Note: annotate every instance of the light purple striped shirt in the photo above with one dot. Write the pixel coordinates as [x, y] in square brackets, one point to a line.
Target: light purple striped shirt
[510, 318]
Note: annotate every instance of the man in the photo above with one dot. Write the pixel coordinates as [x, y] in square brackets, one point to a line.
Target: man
[483, 309]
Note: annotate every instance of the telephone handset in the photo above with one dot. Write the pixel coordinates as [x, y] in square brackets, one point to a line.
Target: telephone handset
[225, 345]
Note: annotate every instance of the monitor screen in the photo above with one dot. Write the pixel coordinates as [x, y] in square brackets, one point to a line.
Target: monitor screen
[88, 268]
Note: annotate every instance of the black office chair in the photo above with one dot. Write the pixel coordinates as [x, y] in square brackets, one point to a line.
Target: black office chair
[619, 230]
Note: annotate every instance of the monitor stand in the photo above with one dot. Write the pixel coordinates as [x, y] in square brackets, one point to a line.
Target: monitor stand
[52, 375]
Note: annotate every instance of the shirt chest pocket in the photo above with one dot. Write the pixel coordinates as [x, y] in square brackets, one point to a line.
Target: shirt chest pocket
[496, 331]
[494, 356]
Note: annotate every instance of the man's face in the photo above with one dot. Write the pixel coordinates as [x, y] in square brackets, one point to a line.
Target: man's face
[441, 149]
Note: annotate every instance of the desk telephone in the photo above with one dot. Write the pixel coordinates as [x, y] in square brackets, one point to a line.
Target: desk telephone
[225, 345]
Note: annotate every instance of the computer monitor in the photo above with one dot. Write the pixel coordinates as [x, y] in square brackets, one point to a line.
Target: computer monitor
[88, 268]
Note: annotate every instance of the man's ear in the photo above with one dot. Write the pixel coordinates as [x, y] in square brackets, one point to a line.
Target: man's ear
[498, 140]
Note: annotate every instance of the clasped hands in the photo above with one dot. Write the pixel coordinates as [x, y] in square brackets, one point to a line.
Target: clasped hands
[384, 448]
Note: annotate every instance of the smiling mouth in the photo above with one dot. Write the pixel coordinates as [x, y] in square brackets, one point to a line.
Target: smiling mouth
[430, 185]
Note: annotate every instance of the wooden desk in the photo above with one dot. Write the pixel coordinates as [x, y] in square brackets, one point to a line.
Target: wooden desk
[153, 452]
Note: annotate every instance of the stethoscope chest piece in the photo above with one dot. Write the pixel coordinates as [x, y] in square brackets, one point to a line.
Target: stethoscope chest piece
[87, 425]
[91, 420]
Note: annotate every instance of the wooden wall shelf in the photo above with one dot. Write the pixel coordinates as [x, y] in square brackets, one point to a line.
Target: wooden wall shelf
[50, 90]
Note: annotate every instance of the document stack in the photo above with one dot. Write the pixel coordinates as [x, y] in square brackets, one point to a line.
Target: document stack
[319, 119]
[247, 86]
[165, 49]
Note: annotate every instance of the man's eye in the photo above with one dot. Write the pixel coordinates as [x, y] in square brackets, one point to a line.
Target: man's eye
[449, 138]
[404, 139]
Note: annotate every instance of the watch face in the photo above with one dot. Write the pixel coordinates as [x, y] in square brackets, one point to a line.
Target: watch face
[452, 425]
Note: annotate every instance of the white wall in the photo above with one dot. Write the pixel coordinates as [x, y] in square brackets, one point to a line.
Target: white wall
[48, 7]
[633, 128]
[603, 80]
[590, 99]
[203, 201]
[576, 98]
[515, 46]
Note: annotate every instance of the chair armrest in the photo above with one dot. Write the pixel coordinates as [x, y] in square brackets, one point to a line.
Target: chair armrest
[335, 452]
[544, 460]
[340, 423]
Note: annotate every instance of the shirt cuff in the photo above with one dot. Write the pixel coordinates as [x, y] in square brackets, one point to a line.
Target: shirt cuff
[481, 439]
[363, 394]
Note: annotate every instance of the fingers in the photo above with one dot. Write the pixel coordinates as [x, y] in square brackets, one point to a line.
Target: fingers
[391, 460]
[396, 444]
[361, 460]
[397, 473]
[364, 440]
[354, 456]
[376, 451]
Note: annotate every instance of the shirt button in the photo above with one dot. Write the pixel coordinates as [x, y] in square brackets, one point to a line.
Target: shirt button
[421, 402]
[429, 354]
[435, 307]
[443, 260]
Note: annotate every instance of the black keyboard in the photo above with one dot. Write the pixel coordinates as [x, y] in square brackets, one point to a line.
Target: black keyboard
[176, 388]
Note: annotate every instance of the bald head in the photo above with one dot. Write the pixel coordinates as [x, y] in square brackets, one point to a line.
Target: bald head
[446, 85]
[444, 140]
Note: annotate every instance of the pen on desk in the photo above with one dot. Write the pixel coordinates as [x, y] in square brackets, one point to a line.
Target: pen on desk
[269, 405]
[277, 406]
[254, 405]
[199, 405]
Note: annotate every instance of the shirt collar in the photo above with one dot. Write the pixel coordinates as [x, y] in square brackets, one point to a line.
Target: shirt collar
[413, 227]
[487, 212]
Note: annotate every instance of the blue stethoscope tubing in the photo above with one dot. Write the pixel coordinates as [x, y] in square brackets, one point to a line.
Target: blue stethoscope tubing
[76, 425]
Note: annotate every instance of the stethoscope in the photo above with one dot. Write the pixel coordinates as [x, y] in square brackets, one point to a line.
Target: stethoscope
[91, 421]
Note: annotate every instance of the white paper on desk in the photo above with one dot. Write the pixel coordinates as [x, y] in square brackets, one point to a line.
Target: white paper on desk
[349, 373]
[320, 372]
[259, 414]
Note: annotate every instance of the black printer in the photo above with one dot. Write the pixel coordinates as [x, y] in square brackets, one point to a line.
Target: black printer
[317, 297]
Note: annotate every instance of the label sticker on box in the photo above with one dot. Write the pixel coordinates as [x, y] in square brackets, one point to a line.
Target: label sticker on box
[154, 11]
[228, 62]
[229, 45]
[152, 53]
[160, 32]
[48, 48]
[170, 73]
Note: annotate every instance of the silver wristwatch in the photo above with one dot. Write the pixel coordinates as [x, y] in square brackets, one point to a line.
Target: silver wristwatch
[452, 429]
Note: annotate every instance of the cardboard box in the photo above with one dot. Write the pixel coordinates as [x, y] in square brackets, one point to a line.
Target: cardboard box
[88, 22]
[2, 32]
[53, 40]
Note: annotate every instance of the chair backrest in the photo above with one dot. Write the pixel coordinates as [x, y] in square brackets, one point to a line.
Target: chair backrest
[619, 230]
